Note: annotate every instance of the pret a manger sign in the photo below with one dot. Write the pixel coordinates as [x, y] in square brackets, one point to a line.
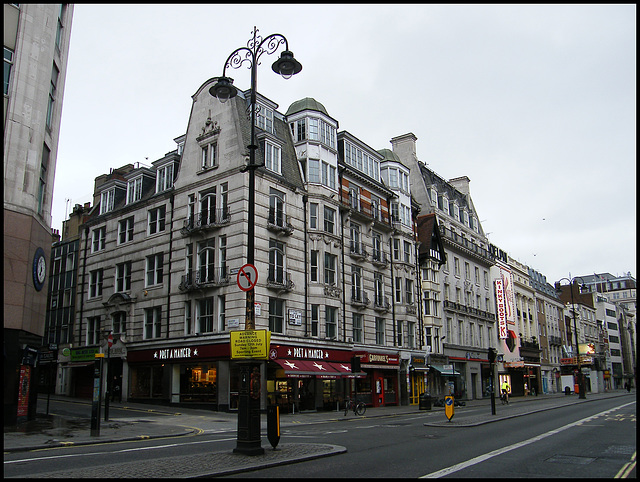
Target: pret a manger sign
[250, 344]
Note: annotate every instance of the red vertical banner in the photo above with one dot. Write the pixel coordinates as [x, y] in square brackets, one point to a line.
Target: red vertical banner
[23, 390]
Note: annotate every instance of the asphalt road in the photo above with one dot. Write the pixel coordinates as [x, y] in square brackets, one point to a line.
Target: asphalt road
[590, 440]
[595, 439]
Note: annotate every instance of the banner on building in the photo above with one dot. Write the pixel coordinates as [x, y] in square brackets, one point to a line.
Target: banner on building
[501, 310]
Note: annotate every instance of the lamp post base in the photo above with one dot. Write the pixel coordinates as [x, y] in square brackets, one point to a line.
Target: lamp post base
[248, 440]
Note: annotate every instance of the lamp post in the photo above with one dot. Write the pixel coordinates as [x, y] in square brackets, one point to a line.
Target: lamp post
[571, 281]
[248, 439]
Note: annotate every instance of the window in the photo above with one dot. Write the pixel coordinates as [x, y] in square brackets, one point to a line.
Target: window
[328, 175]
[8, 65]
[314, 129]
[313, 216]
[378, 287]
[357, 328]
[221, 313]
[119, 322]
[98, 239]
[164, 178]
[356, 246]
[188, 319]
[329, 219]
[396, 249]
[301, 126]
[314, 170]
[205, 315]
[411, 334]
[356, 284]
[206, 261]
[44, 164]
[134, 190]
[93, 330]
[154, 269]
[63, 8]
[330, 261]
[407, 252]
[107, 199]
[314, 265]
[222, 256]
[125, 230]
[378, 254]
[157, 220]
[399, 328]
[276, 262]
[272, 157]
[379, 331]
[70, 262]
[398, 289]
[315, 317]
[209, 157]
[276, 315]
[467, 271]
[95, 283]
[264, 118]
[456, 266]
[123, 276]
[52, 94]
[328, 134]
[276, 208]
[408, 291]
[330, 321]
[152, 323]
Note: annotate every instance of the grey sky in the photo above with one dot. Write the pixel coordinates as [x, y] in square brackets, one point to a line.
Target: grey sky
[536, 104]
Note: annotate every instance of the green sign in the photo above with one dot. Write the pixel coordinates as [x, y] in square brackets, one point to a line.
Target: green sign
[84, 354]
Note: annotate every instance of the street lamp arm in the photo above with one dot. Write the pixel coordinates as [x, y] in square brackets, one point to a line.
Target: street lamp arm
[256, 46]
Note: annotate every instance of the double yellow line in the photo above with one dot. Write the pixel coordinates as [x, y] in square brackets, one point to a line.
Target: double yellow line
[627, 468]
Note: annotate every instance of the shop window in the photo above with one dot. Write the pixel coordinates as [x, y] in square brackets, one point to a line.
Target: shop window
[199, 383]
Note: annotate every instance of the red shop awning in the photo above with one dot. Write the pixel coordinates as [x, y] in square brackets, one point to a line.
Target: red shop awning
[345, 370]
[307, 368]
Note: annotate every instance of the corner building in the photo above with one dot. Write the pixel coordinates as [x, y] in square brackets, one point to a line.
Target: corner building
[334, 245]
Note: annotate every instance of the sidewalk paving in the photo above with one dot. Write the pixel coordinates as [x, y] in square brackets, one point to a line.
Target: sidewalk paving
[153, 421]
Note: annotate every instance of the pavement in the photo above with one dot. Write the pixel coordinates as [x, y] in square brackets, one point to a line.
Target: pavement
[143, 421]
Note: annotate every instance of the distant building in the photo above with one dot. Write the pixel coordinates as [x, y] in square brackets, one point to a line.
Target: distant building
[36, 46]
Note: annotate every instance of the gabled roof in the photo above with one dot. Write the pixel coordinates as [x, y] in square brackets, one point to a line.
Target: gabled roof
[429, 238]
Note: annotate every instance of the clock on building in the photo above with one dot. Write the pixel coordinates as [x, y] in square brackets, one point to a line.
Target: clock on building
[39, 269]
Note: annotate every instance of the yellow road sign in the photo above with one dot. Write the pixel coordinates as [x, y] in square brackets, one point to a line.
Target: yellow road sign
[448, 407]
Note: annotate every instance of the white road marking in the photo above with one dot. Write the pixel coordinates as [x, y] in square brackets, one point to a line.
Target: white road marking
[509, 448]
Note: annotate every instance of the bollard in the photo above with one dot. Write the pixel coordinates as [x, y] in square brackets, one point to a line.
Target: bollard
[273, 425]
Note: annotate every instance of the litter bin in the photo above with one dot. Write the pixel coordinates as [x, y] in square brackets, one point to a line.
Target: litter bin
[425, 401]
[567, 391]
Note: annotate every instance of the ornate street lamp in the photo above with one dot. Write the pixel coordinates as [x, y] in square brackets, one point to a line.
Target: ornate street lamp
[581, 386]
[248, 441]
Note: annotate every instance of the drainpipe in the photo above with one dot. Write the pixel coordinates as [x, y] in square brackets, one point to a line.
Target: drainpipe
[84, 273]
[170, 259]
[305, 198]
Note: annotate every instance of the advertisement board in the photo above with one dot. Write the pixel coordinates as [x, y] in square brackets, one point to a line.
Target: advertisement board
[250, 344]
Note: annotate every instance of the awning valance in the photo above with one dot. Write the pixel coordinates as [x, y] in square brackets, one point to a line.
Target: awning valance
[307, 368]
[447, 372]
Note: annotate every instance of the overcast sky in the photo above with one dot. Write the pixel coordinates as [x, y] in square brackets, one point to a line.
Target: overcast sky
[536, 104]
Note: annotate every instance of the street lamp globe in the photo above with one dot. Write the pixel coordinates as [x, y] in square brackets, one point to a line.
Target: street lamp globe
[286, 65]
[223, 89]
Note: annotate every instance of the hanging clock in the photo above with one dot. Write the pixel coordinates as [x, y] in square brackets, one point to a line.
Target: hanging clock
[39, 269]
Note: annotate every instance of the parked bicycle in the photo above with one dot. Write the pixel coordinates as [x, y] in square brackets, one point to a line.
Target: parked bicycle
[358, 407]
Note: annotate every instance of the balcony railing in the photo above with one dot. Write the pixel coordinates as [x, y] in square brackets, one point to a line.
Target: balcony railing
[531, 343]
[359, 298]
[381, 303]
[278, 279]
[205, 277]
[206, 220]
[461, 241]
[356, 249]
[453, 306]
[277, 221]
[379, 258]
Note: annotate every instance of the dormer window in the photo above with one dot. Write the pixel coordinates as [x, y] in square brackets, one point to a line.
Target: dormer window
[264, 118]
[164, 178]
[272, 157]
[134, 190]
[107, 199]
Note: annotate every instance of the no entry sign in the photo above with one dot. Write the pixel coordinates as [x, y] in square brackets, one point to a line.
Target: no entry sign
[247, 277]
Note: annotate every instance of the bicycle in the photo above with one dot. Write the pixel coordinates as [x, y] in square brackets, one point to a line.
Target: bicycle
[504, 396]
[359, 408]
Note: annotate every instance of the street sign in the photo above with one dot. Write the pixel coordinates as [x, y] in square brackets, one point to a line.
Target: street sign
[110, 340]
[448, 407]
[247, 277]
[250, 344]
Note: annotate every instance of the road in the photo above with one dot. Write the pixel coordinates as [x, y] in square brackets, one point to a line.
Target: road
[595, 439]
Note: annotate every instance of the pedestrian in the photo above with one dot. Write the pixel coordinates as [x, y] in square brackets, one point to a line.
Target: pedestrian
[116, 390]
[627, 385]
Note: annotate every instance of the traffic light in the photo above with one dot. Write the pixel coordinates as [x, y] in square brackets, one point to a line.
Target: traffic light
[493, 353]
[355, 364]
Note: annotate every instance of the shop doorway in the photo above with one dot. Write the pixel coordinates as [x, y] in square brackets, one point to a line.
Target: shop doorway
[418, 387]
